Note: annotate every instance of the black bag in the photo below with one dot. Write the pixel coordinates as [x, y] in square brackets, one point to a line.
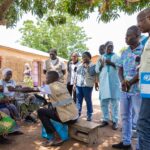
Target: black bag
[41, 101]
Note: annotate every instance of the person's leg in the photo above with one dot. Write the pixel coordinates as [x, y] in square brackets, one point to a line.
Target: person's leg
[87, 91]
[70, 87]
[79, 99]
[144, 143]
[74, 96]
[5, 110]
[105, 109]
[45, 115]
[115, 114]
[136, 103]
[126, 115]
[13, 111]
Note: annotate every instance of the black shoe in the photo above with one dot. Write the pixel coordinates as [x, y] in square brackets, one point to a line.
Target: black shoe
[115, 126]
[89, 119]
[104, 123]
[4, 140]
[121, 146]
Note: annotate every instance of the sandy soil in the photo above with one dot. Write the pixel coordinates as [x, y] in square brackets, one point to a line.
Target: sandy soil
[31, 139]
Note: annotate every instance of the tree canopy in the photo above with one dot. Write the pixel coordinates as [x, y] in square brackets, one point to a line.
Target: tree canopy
[12, 10]
[66, 37]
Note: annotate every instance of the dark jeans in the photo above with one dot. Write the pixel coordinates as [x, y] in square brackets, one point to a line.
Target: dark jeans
[86, 93]
[143, 125]
[72, 93]
[46, 114]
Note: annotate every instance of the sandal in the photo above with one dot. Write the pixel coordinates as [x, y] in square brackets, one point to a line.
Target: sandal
[48, 143]
[57, 142]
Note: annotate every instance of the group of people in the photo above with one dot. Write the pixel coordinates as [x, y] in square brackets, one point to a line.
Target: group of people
[116, 78]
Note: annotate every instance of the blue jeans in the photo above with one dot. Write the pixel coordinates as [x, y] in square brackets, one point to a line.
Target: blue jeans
[143, 125]
[105, 109]
[127, 103]
[84, 92]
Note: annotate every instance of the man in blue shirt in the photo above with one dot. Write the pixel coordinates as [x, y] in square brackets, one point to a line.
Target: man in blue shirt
[130, 97]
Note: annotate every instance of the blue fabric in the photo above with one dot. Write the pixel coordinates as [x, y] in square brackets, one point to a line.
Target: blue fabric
[84, 92]
[144, 39]
[61, 129]
[127, 103]
[105, 109]
[109, 81]
[129, 64]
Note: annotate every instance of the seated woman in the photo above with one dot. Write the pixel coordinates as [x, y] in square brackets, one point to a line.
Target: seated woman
[6, 126]
[61, 109]
[6, 87]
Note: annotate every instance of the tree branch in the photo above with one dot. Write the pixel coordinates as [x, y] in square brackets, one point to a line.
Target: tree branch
[4, 7]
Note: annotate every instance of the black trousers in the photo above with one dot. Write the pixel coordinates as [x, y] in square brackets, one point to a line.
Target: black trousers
[72, 93]
[46, 114]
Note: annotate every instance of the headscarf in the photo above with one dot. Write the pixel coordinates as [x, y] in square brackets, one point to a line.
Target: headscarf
[5, 71]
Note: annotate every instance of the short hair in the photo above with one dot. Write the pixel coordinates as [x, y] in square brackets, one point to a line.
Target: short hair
[144, 13]
[53, 50]
[53, 74]
[135, 29]
[87, 54]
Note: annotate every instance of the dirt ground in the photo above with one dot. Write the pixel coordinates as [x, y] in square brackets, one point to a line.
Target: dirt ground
[31, 139]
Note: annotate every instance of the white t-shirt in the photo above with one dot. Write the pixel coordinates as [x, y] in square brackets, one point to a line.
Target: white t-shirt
[5, 85]
[45, 89]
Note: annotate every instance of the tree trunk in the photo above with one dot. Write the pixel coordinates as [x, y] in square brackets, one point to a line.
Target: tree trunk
[4, 7]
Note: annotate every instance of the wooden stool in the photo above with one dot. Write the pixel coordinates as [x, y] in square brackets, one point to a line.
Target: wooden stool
[85, 131]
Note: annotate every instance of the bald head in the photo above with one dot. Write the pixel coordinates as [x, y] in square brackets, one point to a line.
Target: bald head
[144, 13]
[143, 20]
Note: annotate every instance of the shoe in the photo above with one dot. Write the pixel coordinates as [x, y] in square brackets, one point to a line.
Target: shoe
[114, 126]
[57, 142]
[121, 146]
[134, 134]
[104, 123]
[48, 143]
[4, 140]
[89, 119]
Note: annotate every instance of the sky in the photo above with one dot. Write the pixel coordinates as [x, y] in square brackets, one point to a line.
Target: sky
[98, 32]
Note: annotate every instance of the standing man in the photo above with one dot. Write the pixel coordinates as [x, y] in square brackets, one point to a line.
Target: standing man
[71, 74]
[143, 126]
[109, 91]
[130, 96]
[54, 64]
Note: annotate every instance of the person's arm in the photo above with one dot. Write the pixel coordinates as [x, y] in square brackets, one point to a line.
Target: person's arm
[108, 62]
[134, 80]
[96, 82]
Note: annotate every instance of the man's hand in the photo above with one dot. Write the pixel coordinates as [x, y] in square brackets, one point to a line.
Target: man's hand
[107, 61]
[125, 85]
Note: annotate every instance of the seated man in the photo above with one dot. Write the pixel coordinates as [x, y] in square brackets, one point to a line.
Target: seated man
[62, 107]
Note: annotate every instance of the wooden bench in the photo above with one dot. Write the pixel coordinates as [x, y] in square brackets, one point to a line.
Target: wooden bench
[85, 131]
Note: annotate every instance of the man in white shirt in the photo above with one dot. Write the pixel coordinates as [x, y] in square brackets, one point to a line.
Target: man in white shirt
[54, 64]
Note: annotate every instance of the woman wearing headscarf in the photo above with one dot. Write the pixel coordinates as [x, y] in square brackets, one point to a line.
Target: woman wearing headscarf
[85, 80]
[7, 86]
[6, 126]
[28, 76]
[109, 84]
[7, 95]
